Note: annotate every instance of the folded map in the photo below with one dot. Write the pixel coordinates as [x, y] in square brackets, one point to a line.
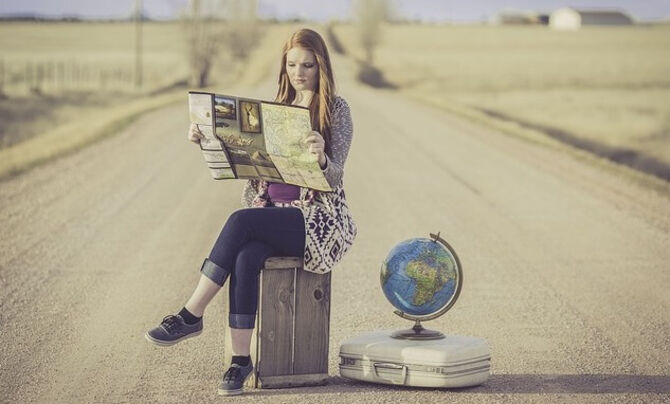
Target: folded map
[252, 139]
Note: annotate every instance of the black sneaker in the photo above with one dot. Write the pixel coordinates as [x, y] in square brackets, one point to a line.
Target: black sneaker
[234, 378]
[172, 330]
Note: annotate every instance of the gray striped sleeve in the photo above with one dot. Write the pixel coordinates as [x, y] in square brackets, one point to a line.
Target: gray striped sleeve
[341, 134]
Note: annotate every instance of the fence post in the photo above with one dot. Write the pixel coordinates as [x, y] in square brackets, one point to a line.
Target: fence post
[75, 73]
[61, 76]
[29, 75]
[2, 76]
[39, 78]
[51, 75]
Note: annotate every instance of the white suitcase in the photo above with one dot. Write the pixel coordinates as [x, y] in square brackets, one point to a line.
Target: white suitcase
[453, 361]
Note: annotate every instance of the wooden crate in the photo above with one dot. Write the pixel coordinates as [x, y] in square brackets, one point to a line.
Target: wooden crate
[290, 342]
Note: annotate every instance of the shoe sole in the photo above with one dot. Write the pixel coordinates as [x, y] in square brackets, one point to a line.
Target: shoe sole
[229, 392]
[170, 343]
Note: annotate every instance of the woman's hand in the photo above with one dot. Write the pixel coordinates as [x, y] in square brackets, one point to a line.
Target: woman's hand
[194, 134]
[316, 145]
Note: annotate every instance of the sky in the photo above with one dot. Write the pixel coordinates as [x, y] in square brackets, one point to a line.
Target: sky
[457, 11]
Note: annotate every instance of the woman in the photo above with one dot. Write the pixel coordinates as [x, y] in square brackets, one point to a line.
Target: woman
[293, 221]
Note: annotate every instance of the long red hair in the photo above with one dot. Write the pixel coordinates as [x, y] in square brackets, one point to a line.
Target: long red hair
[319, 106]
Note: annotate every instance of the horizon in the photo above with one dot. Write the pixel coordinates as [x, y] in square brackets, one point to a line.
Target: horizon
[427, 11]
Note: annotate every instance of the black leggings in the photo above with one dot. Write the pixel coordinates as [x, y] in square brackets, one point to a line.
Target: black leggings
[247, 239]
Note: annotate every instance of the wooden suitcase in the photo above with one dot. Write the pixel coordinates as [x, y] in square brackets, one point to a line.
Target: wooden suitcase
[454, 361]
[290, 342]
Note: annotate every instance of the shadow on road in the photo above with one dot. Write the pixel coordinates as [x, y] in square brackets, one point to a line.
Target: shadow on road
[508, 384]
[587, 384]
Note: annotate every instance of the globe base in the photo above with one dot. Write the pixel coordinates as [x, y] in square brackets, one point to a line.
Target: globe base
[417, 333]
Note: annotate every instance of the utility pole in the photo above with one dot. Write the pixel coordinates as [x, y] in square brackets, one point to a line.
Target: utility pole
[138, 44]
[195, 42]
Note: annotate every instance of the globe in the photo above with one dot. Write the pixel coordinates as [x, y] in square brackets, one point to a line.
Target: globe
[421, 277]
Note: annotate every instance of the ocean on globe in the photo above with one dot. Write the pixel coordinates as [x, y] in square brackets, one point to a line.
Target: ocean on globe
[419, 276]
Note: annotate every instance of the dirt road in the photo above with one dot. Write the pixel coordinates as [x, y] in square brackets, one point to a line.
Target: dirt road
[566, 265]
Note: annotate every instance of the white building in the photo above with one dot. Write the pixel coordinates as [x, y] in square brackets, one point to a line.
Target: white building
[570, 18]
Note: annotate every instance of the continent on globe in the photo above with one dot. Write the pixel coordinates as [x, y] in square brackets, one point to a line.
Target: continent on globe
[431, 273]
[420, 276]
[429, 281]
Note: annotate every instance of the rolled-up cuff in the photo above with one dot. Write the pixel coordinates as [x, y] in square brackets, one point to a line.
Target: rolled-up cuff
[214, 272]
[247, 321]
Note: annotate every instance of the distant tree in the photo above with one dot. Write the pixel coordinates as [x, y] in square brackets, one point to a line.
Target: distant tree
[219, 28]
[242, 29]
[369, 15]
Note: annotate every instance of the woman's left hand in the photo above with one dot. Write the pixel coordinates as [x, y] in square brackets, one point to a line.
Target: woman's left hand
[316, 145]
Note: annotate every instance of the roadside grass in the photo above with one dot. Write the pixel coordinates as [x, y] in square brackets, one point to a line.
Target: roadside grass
[24, 117]
[606, 87]
[77, 133]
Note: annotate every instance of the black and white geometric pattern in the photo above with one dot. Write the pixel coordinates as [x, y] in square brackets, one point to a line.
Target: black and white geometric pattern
[330, 234]
[330, 229]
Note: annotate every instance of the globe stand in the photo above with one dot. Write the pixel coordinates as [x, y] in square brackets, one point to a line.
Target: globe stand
[417, 333]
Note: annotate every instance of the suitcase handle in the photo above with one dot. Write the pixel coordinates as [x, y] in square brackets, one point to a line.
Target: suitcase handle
[391, 366]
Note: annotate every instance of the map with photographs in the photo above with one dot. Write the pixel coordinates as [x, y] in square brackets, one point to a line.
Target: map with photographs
[252, 139]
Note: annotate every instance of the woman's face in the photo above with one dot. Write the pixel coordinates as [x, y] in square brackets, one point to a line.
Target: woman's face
[302, 69]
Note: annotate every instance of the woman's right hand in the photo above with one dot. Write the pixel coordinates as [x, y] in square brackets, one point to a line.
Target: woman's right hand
[194, 134]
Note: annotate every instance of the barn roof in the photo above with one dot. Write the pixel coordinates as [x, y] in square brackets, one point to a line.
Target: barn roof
[601, 12]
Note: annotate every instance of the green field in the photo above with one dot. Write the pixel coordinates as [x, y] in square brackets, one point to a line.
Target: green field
[604, 86]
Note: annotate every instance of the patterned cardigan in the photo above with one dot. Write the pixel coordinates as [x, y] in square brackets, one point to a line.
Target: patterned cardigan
[329, 227]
